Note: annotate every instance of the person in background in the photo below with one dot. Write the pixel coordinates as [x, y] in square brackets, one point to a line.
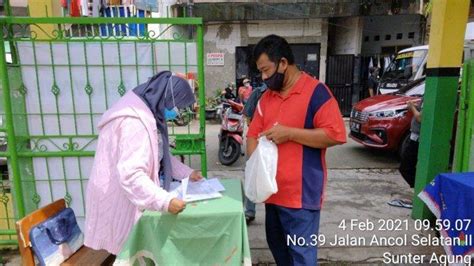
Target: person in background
[301, 116]
[373, 83]
[228, 93]
[132, 153]
[410, 154]
[249, 110]
[245, 91]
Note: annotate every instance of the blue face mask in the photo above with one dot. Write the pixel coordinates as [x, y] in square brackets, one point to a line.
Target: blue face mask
[171, 114]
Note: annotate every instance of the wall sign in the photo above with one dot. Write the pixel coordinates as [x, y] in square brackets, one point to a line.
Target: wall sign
[312, 57]
[215, 59]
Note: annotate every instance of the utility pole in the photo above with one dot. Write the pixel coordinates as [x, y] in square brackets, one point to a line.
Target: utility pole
[448, 25]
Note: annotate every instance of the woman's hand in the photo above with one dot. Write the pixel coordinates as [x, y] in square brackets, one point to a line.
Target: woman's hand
[411, 105]
[195, 176]
[176, 206]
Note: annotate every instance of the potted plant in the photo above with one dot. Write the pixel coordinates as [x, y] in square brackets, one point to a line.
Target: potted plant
[210, 108]
[211, 105]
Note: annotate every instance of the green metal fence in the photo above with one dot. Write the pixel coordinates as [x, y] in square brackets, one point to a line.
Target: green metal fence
[464, 151]
[57, 88]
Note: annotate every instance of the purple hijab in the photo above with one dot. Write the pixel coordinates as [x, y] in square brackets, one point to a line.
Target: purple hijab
[158, 94]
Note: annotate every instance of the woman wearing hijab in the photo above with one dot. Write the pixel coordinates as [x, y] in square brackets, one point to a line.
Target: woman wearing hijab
[132, 152]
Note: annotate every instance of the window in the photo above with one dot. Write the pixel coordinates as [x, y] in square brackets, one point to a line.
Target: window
[411, 35]
[388, 37]
[377, 38]
[366, 38]
[405, 66]
[399, 36]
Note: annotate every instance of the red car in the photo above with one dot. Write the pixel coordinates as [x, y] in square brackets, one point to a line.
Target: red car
[383, 121]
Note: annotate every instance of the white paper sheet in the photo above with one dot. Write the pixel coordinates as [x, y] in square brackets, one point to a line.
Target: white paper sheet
[194, 191]
[216, 184]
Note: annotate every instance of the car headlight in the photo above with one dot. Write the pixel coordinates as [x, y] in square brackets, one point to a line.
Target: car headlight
[389, 113]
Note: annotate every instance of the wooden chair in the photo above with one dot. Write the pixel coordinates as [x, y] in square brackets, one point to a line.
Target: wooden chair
[84, 256]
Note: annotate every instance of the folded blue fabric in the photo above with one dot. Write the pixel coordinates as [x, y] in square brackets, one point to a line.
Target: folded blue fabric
[450, 197]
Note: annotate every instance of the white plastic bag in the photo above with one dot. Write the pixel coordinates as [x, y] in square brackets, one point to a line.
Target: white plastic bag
[260, 171]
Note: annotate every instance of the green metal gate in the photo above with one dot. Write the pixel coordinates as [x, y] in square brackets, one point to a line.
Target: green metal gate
[57, 88]
[464, 152]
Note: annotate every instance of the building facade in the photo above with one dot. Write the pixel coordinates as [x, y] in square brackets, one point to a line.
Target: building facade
[316, 30]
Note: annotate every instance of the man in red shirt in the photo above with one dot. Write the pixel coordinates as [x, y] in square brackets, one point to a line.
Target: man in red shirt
[300, 115]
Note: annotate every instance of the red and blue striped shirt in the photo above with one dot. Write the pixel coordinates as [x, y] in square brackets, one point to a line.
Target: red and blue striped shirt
[301, 174]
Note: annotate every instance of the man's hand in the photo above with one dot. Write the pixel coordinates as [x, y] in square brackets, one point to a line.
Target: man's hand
[195, 176]
[251, 146]
[176, 206]
[278, 134]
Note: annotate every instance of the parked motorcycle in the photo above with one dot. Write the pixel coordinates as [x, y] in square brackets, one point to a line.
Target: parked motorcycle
[232, 130]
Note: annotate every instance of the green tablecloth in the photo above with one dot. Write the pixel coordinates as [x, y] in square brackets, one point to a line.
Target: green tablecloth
[211, 232]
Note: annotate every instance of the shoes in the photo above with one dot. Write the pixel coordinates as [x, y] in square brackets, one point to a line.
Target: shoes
[249, 219]
[400, 203]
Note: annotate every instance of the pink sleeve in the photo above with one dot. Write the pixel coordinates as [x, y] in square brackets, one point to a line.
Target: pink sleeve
[179, 169]
[135, 158]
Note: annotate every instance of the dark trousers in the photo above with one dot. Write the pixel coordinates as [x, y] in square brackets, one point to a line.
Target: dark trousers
[408, 163]
[281, 223]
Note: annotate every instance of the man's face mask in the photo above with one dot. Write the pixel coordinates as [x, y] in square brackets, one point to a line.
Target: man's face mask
[275, 81]
[171, 114]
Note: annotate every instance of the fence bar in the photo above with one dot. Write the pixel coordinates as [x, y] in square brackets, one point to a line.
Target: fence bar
[202, 100]
[15, 168]
[8, 232]
[12, 242]
[56, 154]
[101, 20]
